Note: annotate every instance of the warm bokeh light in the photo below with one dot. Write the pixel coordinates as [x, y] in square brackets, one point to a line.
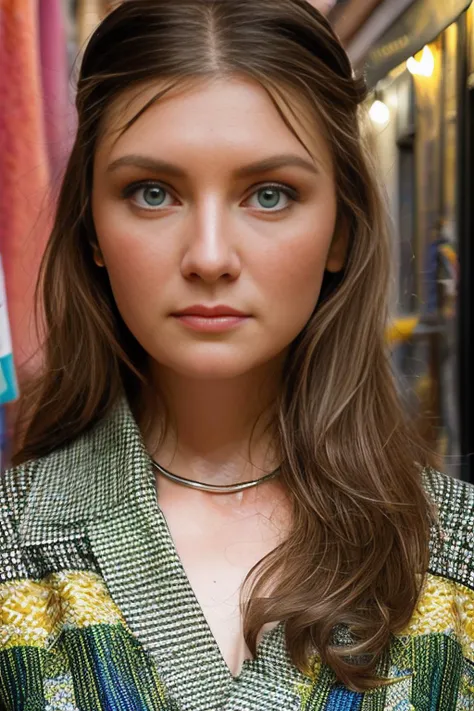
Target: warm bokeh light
[379, 112]
[423, 67]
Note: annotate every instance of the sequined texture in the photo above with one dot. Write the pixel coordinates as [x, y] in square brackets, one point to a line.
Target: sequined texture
[96, 611]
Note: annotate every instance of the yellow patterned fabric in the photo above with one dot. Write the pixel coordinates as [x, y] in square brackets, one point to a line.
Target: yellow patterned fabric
[32, 613]
[445, 607]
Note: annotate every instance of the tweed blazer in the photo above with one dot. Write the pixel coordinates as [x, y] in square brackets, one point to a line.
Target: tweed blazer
[96, 611]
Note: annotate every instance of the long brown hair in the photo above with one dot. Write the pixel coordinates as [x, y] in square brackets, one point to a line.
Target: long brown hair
[359, 541]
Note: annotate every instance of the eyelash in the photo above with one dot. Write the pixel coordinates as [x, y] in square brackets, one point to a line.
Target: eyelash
[291, 193]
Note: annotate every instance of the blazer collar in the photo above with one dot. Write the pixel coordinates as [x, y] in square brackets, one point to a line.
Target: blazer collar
[87, 478]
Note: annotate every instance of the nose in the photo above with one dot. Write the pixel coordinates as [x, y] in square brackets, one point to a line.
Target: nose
[211, 252]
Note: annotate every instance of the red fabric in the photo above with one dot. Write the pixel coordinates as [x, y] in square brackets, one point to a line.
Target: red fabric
[25, 204]
[59, 112]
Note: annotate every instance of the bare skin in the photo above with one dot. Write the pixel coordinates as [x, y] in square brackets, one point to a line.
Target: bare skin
[219, 539]
[204, 236]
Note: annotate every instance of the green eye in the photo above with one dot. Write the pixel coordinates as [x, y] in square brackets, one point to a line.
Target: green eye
[148, 195]
[273, 198]
[269, 197]
[154, 196]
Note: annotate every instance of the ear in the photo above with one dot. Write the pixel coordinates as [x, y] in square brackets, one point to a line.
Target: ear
[339, 248]
[97, 255]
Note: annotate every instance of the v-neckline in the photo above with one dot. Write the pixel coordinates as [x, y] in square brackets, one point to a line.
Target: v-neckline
[138, 560]
[169, 540]
[272, 645]
[146, 578]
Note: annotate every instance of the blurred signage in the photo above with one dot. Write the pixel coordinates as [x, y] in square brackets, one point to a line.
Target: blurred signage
[419, 25]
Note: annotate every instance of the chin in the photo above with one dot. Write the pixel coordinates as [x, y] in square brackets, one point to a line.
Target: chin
[214, 362]
[211, 369]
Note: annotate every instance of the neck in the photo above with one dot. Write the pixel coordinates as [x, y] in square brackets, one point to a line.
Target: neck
[218, 431]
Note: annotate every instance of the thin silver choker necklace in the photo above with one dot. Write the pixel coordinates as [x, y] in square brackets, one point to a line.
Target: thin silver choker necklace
[214, 488]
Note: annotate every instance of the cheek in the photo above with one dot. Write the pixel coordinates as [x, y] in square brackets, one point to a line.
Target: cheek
[126, 244]
[135, 274]
[135, 261]
[294, 269]
[294, 280]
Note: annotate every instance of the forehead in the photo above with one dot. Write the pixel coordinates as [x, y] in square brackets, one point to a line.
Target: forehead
[231, 110]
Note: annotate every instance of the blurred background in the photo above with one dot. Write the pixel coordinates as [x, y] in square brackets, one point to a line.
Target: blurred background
[418, 59]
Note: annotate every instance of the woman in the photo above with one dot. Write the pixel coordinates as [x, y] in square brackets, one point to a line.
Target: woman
[217, 502]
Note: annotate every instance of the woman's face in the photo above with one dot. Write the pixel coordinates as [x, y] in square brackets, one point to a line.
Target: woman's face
[209, 200]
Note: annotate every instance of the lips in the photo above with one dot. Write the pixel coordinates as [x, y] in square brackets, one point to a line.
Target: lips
[211, 319]
[219, 311]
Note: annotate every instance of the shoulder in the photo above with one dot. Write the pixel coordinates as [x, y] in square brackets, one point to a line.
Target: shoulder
[40, 501]
[15, 486]
[50, 497]
[452, 541]
[21, 486]
[27, 489]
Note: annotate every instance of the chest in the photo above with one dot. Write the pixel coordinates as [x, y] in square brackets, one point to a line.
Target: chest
[218, 549]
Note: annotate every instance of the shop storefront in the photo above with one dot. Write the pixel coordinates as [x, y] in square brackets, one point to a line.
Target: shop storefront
[420, 115]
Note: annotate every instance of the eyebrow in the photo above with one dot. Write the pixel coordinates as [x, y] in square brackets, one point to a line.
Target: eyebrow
[284, 160]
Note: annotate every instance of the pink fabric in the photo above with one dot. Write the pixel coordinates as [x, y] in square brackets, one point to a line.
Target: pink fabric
[59, 111]
[24, 170]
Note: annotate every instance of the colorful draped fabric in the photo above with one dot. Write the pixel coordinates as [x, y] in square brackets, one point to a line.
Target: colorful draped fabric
[24, 169]
[97, 614]
[58, 94]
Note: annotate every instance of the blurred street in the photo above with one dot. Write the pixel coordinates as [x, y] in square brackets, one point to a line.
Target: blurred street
[418, 59]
